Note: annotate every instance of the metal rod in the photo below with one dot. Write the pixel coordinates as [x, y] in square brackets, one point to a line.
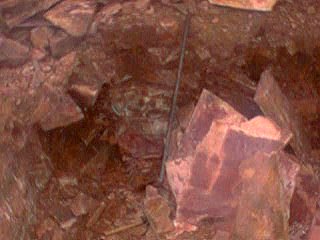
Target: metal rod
[174, 98]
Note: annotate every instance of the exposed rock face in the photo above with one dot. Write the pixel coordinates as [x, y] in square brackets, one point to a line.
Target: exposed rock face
[12, 52]
[205, 172]
[73, 16]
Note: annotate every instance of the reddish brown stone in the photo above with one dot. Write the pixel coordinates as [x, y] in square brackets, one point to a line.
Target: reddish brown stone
[56, 109]
[12, 53]
[62, 43]
[276, 105]
[315, 233]
[82, 204]
[19, 11]
[158, 210]
[259, 5]
[40, 37]
[203, 173]
[73, 16]
[264, 200]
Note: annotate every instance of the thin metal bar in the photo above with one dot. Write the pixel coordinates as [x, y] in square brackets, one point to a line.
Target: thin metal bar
[174, 98]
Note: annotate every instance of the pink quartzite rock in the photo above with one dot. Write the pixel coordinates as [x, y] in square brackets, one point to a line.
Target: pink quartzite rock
[204, 170]
[259, 5]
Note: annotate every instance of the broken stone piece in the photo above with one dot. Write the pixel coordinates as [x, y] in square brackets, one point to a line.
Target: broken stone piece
[85, 94]
[22, 10]
[12, 53]
[263, 204]
[40, 37]
[56, 109]
[203, 173]
[275, 105]
[158, 210]
[259, 5]
[73, 16]
[62, 43]
[82, 204]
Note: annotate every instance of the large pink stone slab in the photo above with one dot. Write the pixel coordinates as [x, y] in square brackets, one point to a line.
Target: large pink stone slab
[259, 5]
[204, 170]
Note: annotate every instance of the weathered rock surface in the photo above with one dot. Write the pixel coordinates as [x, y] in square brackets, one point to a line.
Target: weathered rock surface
[275, 105]
[62, 43]
[158, 210]
[57, 109]
[73, 16]
[220, 139]
[12, 52]
[260, 5]
[40, 37]
[19, 11]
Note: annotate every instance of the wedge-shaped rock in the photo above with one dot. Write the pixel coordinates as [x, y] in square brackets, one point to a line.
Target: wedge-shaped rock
[56, 109]
[259, 5]
[73, 16]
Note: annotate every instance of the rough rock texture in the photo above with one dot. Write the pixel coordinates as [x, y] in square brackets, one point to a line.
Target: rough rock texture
[261, 5]
[73, 16]
[19, 11]
[158, 210]
[220, 139]
[12, 52]
[262, 205]
[276, 105]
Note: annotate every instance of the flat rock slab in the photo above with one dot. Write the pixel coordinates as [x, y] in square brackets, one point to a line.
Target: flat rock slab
[73, 16]
[276, 105]
[258, 5]
[264, 179]
[12, 53]
[18, 11]
[204, 171]
[57, 109]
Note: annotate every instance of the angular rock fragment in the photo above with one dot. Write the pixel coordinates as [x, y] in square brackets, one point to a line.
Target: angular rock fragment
[204, 171]
[158, 211]
[82, 204]
[40, 37]
[62, 43]
[19, 11]
[264, 204]
[73, 16]
[12, 52]
[275, 105]
[259, 5]
[56, 109]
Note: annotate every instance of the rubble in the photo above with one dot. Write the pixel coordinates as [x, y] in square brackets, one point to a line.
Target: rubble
[158, 211]
[276, 105]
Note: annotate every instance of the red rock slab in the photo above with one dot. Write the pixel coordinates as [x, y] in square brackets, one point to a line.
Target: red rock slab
[12, 53]
[275, 105]
[208, 109]
[73, 16]
[56, 109]
[19, 11]
[264, 203]
[204, 177]
[82, 204]
[259, 5]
